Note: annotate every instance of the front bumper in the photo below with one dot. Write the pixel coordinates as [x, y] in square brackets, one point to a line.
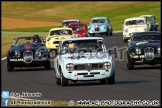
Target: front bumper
[34, 63]
[85, 75]
[140, 59]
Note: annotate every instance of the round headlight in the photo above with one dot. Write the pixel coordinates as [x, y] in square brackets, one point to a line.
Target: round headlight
[38, 54]
[107, 65]
[104, 27]
[126, 30]
[145, 29]
[138, 50]
[77, 35]
[17, 53]
[159, 50]
[69, 66]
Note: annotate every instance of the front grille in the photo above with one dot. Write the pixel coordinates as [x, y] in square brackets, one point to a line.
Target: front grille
[95, 66]
[56, 42]
[97, 29]
[28, 57]
[149, 53]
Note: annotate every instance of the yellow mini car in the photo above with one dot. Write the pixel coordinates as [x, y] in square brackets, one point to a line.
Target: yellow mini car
[55, 35]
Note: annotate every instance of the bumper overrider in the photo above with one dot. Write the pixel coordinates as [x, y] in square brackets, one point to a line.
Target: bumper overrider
[88, 71]
[28, 60]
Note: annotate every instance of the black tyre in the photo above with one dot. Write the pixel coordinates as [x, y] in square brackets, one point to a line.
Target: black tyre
[130, 66]
[57, 80]
[9, 68]
[111, 33]
[64, 81]
[93, 34]
[103, 81]
[111, 80]
[107, 33]
[47, 65]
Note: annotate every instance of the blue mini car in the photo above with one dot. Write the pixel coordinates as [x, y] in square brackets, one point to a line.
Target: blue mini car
[100, 25]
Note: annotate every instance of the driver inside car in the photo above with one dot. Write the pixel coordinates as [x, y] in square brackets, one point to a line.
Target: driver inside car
[36, 39]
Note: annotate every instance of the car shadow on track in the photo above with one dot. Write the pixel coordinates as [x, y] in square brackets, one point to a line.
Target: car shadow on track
[129, 82]
[146, 67]
[30, 69]
[71, 84]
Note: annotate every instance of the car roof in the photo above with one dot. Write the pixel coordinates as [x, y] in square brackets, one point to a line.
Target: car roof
[134, 18]
[99, 17]
[84, 38]
[77, 23]
[71, 20]
[146, 15]
[146, 32]
[61, 28]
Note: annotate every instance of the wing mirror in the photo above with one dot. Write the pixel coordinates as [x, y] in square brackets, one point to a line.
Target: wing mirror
[110, 51]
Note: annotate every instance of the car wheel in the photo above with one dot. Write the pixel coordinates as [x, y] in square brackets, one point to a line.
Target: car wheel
[47, 65]
[9, 68]
[130, 66]
[52, 54]
[124, 40]
[103, 81]
[107, 33]
[64, 81]
[111, 80]
[111, 33]
[57, 80]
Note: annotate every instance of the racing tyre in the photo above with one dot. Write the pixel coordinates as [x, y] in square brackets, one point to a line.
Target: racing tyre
[111, 80]
[130, 66]
[57, 80]
[93, 34]
[47, 65]
[10, 68]
[111, 33]
[64, 81]
[103, 81]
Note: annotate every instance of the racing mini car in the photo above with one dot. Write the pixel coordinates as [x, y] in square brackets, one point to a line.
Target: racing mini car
[134, 24]
[29, 51]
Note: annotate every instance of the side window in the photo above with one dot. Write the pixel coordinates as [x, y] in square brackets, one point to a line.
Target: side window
[108, 20]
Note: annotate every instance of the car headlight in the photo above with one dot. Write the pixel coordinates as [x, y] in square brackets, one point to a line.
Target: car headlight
[126, 30]
[69, 66]
[41, 52]
[159, 50]
[104, 27]
[138, 50]
[145, 29]
[17, 54]
[107, 65]
[77, 35]
[48, 39]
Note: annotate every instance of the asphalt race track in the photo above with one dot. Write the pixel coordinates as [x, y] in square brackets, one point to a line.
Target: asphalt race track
[142, 83]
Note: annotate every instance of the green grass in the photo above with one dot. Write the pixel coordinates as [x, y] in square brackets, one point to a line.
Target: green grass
[54, 11]
[33, 29]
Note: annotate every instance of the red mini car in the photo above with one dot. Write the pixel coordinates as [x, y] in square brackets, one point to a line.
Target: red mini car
[79, 29]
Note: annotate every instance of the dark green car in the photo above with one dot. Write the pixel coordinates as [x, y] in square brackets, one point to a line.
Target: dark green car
[144, 48]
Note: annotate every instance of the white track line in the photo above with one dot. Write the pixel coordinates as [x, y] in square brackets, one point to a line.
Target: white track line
[4, 58]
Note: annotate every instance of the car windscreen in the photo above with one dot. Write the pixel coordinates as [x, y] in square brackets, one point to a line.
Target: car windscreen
[80, 27]
[61, 32]
[78, 46]
[147, 38]
[135, 22]
[98, 20]
[29, 40]
[67, 23]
